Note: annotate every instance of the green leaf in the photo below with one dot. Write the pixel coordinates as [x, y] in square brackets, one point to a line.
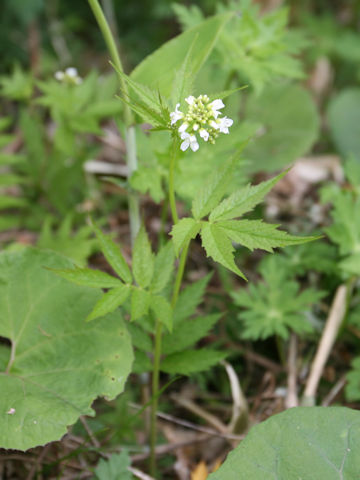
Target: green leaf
[353, 381]
[109, 302]
[190, 298]
[162, 310]
[113, 255]
[115, 468]
[188, 333]
[300, 443]
[143, 259]
[192, 361]
[290, 126]
[184, 79]
[158, 70]
[243, 200]
[257, 234]
[140, 339]
[59, 363]
[163, 268]
[140, 302]
[89, 277]
[218, 246]
[184, 231]
[212, 192]
[344, 121]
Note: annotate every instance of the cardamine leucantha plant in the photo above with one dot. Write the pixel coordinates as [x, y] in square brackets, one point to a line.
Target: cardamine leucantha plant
[149, 296]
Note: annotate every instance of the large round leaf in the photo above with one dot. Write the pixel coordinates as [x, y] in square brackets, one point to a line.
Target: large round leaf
[305, 443]
[57, 364]
[344, 121]
[290, 126]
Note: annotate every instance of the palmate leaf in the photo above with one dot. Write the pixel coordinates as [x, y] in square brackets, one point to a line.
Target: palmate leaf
[243, 200]
[184, 231]
[190, 298]
[219, 247]
[59, 364]
[162, 310]
[114, 468]
[301, 443]
[109, 302]
[213, 191]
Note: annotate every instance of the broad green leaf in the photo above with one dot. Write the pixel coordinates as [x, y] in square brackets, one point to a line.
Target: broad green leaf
[113, 255]
[143, 259]
[213, 190]
[301, 443]
[257, 234]
[159, 69]
[243, 200]
[162, 310]
[109, 302]
[344, 121]
[163, 268]
[192, 361]
[59, 363]
[114, 468]
[190, 298]
[140, 302]
[184, 231]
[89, 277]
[183, 80]
[188, 333]
[290, 126]
[218, 246]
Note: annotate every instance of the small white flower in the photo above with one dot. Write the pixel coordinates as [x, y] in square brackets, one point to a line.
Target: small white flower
[59, 76]
[183, 127]
[215, 106]
[224, 124]
[71, 72]
[11, 411]
[204, 134]
[177, 115]
[189, 141]
[190, 100]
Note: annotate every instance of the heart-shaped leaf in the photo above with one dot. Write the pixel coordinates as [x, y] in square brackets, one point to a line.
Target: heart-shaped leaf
[57, 363]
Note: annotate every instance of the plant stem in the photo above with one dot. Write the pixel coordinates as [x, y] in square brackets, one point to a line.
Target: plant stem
[130, 140]
[172, 200]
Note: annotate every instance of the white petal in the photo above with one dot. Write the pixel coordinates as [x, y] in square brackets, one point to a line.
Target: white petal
[215, 125]
[184, 135]
[204, 134]
[59, 76]
[185, 145]
[217, 104]
[194, 146]
[183, 127]
[190, 100]
[71, 72]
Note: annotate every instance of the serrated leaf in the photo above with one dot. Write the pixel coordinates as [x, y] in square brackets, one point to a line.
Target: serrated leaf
[143, 259]
[243, 200]
[218, 246]
[192, 361]
[60, 364]
[113, 255]
[162, 310]
[190, 298]
[188, 333]
[184, 231]
[184, 79]
[159, 69]
[212, 192]
[300, 443]
[89, 277]
[109, 302]
[140, 302]
[257, 234]
[163, 268]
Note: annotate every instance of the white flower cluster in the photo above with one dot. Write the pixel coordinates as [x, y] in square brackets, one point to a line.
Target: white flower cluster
[203, 118]
[70, 76]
